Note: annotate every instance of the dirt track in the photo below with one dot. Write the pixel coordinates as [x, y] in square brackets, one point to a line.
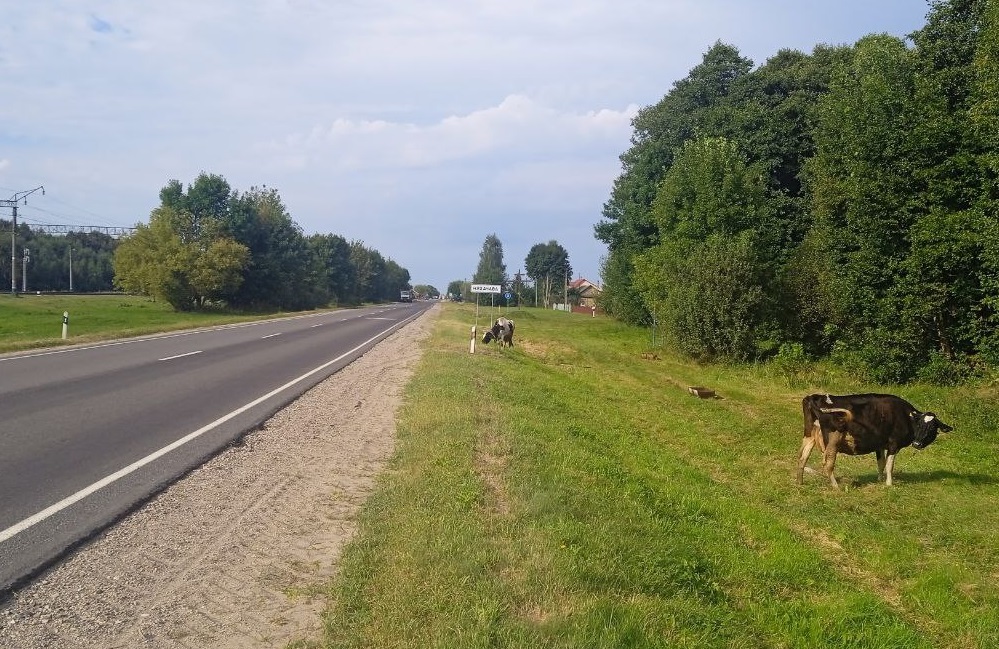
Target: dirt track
[235, 555]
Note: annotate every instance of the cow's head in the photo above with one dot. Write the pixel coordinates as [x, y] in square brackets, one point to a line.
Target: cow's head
[925, 427]
[492, 333]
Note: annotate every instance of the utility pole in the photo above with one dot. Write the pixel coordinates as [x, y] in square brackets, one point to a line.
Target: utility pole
[12, 203]
[25, 258]
[71, 269]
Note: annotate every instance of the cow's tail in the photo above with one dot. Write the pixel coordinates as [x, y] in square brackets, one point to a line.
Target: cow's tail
[846, 412]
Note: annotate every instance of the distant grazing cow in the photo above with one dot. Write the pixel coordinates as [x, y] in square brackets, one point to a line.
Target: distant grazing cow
[501, 331]
[858, 424]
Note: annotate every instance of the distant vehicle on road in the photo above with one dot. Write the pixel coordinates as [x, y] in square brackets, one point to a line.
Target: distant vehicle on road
[405, 296]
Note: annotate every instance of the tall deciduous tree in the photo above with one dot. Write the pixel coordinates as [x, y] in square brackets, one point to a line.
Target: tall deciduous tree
[548, 265]
[984, 116]
[155, 260]
[281, 262]
[704, 282]
[491, 268]
[862, 186]
[695, 103]
[336, 273]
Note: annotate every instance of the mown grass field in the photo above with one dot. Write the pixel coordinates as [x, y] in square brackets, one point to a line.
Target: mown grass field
[570, 492]
[30, 321]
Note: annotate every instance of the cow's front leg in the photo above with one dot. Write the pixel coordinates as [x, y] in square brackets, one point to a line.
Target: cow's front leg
[889, 467]
[880, 455]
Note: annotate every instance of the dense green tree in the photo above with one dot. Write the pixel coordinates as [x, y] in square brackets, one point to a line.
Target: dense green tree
[984, 125]
[394, 279]
[427, 290]
[946, 278]
[281, 272]
[872, 229]
[370, 267]
[705, 283]
[152, 261]
[548, 265]
[695, 104]
[156, 261]
[48, 268]
[336, 273]
[707, 297]
[458, 288]
[862, 186]
[491, 268]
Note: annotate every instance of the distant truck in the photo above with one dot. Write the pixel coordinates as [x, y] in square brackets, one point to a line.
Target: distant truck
[405, 296]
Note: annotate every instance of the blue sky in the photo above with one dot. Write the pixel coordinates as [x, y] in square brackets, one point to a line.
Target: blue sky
[417, 127]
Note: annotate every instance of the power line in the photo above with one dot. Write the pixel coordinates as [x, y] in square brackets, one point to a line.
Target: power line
[12, 203]
[110, 230]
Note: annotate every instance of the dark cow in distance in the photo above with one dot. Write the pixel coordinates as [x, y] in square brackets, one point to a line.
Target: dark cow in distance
[501, 332]
[857, 424]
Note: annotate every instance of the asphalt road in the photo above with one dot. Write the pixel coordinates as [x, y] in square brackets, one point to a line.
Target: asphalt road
[88, 433]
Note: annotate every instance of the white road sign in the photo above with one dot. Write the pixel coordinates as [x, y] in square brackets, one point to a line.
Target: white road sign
[486, 288]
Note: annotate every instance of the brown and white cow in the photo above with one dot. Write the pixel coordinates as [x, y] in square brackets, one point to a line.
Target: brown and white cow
[857, 424]
[501, 332]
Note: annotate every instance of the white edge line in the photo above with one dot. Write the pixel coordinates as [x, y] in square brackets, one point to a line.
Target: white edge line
[170, 358]
[51, 510]
[180, 334]
[270, 335]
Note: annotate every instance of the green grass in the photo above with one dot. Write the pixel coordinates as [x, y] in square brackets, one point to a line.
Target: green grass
[570, 492]
[30, 321]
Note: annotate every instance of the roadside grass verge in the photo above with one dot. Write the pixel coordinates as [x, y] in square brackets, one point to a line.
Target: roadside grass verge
[31, 321]
[570, 492]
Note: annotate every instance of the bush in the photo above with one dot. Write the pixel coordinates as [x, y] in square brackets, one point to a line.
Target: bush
[940, 370]
[792, 364]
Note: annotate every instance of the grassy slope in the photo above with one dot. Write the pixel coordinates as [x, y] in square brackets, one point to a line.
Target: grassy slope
[571, 493]
[31, 321]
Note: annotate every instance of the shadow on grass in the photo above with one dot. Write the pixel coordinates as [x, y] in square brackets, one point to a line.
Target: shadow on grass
[972, 479]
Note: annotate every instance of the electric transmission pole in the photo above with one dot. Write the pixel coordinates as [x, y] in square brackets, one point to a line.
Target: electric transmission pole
[12, 203]
[24, 270]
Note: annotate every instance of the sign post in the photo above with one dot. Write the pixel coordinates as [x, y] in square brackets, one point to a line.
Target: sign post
[482, 288]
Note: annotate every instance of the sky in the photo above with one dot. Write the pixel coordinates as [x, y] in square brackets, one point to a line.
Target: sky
[417, 127]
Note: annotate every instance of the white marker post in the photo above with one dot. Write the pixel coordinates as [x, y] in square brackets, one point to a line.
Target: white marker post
[65, 324]
[471, 343]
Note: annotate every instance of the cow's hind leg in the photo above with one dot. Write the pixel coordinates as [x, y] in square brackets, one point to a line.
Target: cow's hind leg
[807, 443]
[829, 458]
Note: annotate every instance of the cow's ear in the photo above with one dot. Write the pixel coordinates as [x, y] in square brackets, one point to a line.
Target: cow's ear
[944, 428]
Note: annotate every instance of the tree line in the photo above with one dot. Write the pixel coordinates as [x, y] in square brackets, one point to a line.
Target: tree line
[841, 203]
[210, 246]
[546, 265]
[214, 246]
[89, 255]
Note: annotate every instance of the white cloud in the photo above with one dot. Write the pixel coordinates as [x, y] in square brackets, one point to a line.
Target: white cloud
[517, 126]
[402, 123]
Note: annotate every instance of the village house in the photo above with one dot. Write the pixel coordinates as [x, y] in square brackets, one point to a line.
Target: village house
[587, 291]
